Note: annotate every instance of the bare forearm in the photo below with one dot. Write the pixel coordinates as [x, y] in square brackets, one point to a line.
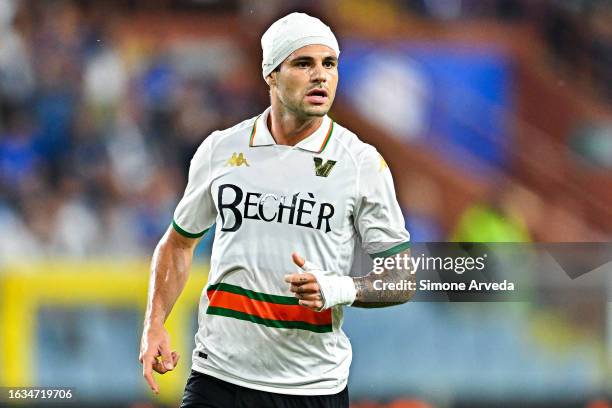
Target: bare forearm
[373, 289]
[169, 272]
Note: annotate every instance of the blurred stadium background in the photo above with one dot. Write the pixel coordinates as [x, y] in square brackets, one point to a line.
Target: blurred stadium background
[495, 117]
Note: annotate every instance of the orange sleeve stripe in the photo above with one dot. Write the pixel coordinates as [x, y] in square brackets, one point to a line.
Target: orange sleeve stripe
[266, 310]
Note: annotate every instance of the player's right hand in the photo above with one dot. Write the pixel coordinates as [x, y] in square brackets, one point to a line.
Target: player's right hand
[155, 354]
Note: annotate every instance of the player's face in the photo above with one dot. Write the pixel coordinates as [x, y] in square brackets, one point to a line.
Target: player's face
[307, 80]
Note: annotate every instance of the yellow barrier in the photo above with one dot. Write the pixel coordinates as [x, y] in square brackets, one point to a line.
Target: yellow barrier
[26, 287]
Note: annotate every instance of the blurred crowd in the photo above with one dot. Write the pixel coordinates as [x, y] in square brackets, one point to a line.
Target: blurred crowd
[578, 32]
[95, 138]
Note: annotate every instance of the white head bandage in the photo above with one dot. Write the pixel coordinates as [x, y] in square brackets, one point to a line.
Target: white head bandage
[290, 33]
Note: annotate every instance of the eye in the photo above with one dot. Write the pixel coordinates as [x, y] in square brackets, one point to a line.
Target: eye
[329, 64]
[302, 64]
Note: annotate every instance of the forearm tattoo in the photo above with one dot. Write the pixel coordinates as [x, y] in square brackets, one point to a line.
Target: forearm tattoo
[370, 295]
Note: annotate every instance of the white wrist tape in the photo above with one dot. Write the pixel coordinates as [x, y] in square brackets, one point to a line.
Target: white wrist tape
[336, 290]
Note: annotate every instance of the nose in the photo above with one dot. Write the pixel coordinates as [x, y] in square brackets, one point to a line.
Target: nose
[318, 74]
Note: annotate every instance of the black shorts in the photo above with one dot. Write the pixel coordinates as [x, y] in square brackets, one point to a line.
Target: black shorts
[204, 391]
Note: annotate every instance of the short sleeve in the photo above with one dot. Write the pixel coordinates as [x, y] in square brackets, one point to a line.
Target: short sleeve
[378, 216]
[196, 212]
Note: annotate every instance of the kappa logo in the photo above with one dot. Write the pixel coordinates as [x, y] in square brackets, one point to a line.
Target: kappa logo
[237, 160]
[323, 169]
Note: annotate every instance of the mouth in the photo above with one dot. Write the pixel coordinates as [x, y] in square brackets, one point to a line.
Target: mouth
[317, 92]
[317, 96]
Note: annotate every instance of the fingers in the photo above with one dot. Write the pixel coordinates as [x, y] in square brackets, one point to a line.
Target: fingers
[315, 305]
[160, 367]
[304, 264]
[305, 285]
[300, 278]
[155, 355]
[298, 260]
[309, 296]
[147, 365]
[311, 287]
[166, 356]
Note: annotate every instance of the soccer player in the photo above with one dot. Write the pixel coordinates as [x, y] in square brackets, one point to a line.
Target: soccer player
[291, 193]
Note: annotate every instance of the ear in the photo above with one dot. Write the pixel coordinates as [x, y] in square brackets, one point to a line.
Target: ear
[271, 79]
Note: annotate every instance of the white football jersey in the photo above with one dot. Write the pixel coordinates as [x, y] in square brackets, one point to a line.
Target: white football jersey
[318, 198]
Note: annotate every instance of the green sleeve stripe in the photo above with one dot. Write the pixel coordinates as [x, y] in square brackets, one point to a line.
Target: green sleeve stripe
[391, 251]
[264, 297]
[185, 233]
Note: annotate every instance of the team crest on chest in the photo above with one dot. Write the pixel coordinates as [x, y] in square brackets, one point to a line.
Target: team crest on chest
[323, 169]
[237, 160]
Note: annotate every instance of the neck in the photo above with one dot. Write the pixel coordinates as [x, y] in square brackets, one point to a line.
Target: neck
[289, 129]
